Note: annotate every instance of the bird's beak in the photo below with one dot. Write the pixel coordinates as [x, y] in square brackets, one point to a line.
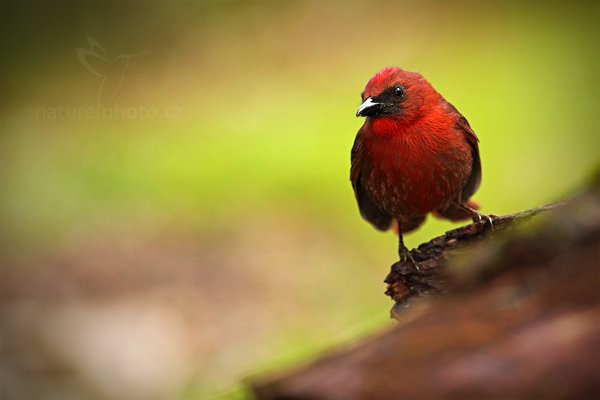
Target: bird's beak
[368, 108]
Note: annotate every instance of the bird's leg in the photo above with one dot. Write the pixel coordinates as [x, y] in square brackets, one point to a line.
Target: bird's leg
[404, 252]
[476, 215]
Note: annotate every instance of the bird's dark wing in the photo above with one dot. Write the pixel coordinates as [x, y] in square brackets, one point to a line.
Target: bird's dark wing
[367, 207]
[475, 179]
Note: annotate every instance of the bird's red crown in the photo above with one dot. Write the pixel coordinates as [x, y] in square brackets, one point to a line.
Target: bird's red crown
[391, 76]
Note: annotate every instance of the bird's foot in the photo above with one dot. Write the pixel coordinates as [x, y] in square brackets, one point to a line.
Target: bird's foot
[406, 255]
[478, 217]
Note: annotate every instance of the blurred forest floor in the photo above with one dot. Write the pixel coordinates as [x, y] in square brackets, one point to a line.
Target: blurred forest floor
[131, 315]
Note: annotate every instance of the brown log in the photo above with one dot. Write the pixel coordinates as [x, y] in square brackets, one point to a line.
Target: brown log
[516, 317]
[405, 282]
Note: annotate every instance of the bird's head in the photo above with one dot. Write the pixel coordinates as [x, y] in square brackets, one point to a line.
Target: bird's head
[397, 94]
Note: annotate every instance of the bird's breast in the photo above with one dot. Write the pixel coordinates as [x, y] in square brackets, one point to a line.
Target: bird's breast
[414, 177]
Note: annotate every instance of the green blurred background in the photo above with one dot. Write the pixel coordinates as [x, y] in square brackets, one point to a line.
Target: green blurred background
[177, 214]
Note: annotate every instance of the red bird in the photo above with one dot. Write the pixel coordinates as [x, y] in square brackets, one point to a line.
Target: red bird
[415, 154]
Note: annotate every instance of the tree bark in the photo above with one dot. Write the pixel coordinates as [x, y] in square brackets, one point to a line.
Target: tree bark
[405, 282]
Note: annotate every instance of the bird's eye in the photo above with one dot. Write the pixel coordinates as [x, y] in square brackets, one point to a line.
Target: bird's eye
[398, 91]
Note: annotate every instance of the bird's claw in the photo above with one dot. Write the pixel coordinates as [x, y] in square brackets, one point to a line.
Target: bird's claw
[406, 255]
[479, 217]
